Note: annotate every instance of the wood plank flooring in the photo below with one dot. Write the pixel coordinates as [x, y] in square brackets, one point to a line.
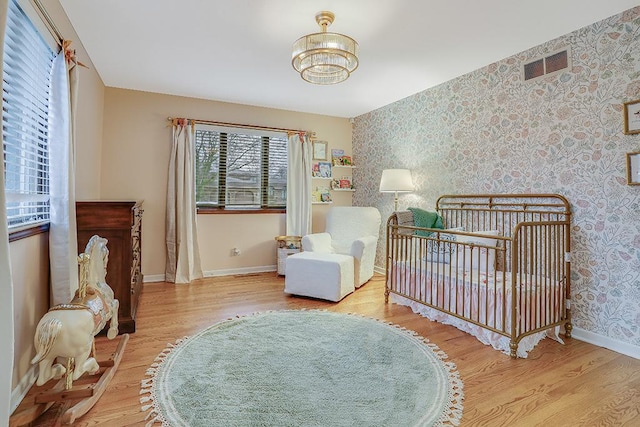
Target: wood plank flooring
[576, 384]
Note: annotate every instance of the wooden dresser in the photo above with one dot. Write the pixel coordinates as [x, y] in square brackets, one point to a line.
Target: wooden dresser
[120, 222]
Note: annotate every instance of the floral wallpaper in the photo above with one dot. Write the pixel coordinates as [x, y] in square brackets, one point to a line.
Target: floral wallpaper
[490, 131]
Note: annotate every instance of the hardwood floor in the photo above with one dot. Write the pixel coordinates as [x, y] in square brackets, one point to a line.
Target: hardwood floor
[576, 384]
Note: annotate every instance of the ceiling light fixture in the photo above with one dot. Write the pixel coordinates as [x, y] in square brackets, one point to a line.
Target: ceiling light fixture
[325, 58]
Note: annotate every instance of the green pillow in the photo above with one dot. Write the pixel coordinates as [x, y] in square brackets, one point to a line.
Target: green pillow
[426, 219]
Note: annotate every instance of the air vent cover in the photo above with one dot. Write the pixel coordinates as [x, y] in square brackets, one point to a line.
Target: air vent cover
[547, 65]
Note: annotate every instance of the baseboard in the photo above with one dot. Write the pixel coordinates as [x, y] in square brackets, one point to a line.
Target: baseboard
[242, 270]
[25, 384]
[379, 270]
[606, 342]
[150, 278]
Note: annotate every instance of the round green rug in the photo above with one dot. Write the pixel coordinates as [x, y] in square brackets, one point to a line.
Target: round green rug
[303, 368]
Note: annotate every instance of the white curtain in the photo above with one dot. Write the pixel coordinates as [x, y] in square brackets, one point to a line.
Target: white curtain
[6, 284]
[183, 253]
[299, 185]
[63, 246]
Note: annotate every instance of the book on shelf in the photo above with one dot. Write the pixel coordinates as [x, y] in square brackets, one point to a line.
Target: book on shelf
[345, 183]
[338, 158]
[321, 194]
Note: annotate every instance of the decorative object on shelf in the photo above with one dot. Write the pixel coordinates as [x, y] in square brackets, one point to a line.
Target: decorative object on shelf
[345, 183]
[335, 184]
[321, 195]
[324, 170]
[319, 150]
[633, 168]
[396, 181]
[345, 161]
[325, 58]
[336, 156]
[632, 117]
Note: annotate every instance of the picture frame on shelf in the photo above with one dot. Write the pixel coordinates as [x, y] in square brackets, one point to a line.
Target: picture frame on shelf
[335, 184]
[320, 150]
[324, 169]
[632, 117]
[633, 168]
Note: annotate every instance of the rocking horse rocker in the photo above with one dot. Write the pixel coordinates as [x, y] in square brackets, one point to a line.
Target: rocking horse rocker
[67, 331]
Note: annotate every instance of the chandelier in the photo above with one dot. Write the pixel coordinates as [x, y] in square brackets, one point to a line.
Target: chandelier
[325, 58]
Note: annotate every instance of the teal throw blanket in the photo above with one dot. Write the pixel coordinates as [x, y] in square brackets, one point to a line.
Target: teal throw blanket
[426, 219]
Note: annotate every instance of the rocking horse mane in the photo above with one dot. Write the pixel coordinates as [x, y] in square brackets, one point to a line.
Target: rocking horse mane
[98, 257]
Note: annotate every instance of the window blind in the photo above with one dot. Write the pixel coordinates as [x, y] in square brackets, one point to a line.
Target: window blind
[240, 169]
[27, 62]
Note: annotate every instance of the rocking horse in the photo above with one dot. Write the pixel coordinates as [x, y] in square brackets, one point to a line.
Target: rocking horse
[67, 331]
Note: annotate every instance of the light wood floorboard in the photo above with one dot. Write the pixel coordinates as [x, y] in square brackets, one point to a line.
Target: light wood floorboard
[576, 384]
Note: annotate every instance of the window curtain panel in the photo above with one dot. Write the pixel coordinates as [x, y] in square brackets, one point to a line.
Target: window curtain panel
[63, 246]
[183, 253]
[6, 284]
[299, 185]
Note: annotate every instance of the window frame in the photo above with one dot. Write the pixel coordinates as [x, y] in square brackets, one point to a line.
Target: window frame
[222, 207]
[35, 22]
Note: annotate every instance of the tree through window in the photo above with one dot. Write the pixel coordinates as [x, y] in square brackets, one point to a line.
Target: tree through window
[240, 168]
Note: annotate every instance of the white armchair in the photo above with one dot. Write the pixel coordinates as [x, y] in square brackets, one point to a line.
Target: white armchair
[349, 231]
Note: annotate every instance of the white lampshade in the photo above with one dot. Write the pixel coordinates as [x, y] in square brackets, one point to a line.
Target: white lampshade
[396, 180]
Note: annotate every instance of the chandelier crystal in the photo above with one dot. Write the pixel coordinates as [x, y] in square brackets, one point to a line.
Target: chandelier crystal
[325, 58]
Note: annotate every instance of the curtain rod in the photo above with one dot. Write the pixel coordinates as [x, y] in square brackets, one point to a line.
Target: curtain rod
[238, 125]
[46, 18]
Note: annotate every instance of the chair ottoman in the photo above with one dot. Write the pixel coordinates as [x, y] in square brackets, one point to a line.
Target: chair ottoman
[319, 275]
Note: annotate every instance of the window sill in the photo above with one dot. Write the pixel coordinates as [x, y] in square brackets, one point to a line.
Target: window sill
[28, 232]
[216, 211]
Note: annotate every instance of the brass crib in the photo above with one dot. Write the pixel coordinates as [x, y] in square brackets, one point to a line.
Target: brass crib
[502, 263]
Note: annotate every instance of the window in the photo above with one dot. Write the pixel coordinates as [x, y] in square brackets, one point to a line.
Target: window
[240, 168]
[25, 101]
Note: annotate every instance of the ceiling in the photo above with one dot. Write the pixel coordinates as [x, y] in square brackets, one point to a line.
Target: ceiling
[240, 50]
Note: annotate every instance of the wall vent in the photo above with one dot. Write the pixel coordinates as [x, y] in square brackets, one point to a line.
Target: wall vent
[548, 65]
